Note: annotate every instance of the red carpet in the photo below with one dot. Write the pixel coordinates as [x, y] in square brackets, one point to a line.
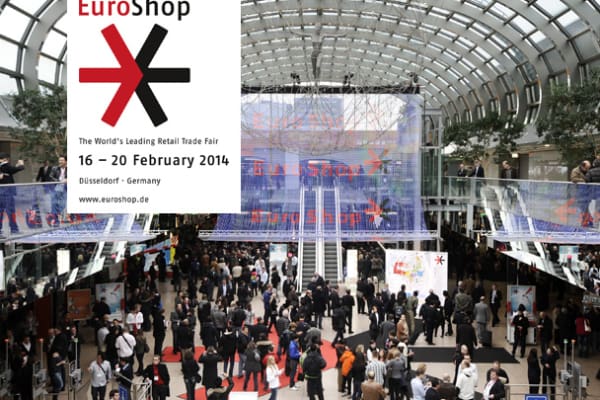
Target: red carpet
[327, 351]
[169, 357]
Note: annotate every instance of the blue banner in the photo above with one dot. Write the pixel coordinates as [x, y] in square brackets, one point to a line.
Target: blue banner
[26, 209]
[340, 166]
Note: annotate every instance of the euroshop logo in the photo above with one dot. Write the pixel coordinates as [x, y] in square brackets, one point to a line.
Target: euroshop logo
[134, 75]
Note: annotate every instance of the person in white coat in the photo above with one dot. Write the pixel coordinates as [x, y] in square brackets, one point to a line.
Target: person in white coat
[466, 381]
[273, 373]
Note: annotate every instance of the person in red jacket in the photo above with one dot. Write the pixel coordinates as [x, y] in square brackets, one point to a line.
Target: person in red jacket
[583, 330]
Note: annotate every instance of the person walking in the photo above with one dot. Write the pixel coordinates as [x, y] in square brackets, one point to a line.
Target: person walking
[396, 369]
[100, 375]
[482, 317]
[253, 366]
[313, 366]
[548, 361]
[141, 348]
[346, 360]
[159, 331]
[533, 371]
[210, 359]
[273, 373]
[190, 369]
[495, 302]
[294, 356]
[359, 367]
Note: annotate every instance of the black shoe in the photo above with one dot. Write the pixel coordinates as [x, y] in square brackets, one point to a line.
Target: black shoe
[351, 332]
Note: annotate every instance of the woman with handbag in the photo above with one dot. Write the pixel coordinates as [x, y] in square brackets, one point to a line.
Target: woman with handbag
[190, 370]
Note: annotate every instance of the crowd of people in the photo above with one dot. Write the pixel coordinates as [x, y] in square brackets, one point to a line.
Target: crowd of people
[214, 288]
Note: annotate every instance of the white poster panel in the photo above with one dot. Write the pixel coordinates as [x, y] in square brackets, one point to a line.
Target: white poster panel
[521, 295]
[2, 272]
[352, 264]
[277, 255]
[63, 261]
[418, 270]
[115, 295]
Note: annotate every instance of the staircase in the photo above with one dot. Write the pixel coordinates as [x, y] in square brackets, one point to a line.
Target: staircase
[309, 262]
[331, 262]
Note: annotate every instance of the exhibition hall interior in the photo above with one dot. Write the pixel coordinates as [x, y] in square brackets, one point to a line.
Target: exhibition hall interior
[420, 215]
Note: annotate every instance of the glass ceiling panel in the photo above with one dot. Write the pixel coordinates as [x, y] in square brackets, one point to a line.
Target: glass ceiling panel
[571, 23]
[31, 6]
[8, 85]
[501, 11]
[13, 23]
[551, 7]
[8, 55]
[53, 44]
[522, 25]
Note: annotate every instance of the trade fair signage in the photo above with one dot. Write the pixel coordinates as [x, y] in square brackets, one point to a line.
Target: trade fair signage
[418, 270]
[151, 106]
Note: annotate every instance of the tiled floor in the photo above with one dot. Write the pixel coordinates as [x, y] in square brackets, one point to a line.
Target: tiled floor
[516, 372]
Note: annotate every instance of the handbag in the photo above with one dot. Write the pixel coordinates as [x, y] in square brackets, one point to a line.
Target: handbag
[198, 378]
[586, 326]
[300, 376]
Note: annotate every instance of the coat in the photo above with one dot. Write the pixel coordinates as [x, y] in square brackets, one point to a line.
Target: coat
[482, 313]
[253, 362]
[162, 371]
[210, 373]
[347, 359]
[372, 390]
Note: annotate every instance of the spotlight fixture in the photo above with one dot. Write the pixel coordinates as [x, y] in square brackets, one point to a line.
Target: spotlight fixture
[347, 79]
[295, 77]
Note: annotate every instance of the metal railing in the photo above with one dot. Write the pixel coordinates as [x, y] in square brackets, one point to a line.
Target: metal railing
[518, 390]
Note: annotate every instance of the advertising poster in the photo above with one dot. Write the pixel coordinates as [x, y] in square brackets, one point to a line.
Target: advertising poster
[79, 304]
[418, 270]
[277, 255]
[517, 295]
[114, 295]
[146, 115]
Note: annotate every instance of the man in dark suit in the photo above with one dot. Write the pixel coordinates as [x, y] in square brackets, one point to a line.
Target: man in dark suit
[465, 334]
[478, 171]
[225, 290]
[7, 194]
[124, 372]
[494, 389]
[43, 174]
[158, 374]
[521, 324]
[495, 301]
[374, 322]
[59, 195]
[432, 393]
[546, 328]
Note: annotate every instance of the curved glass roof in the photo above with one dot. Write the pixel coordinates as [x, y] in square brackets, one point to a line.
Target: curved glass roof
[468, 56]
[33, 44]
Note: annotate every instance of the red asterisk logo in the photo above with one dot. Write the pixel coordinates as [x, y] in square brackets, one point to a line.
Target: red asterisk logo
[134, 75]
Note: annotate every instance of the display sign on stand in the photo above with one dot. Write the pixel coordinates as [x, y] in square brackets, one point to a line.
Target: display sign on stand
[418, 270]
[517, 295]
[114, 295]
[79, 304]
